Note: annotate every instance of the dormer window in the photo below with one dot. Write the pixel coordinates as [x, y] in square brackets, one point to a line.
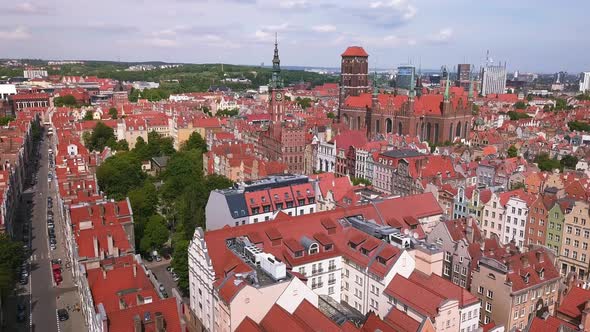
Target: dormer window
[328, 247]
[541, 273]
[314, 248]
[251, 200]
[526, 278]
[364, 251]
[298, 253]
[263, 198]
[352, 245]
[381, 260]
[276, 196]
[286, 195]
[279, 206]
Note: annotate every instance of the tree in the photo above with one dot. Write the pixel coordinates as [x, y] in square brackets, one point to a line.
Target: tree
[5, 120]
[520, 105]
[512, 151]
[119, 174]
[303, 102]
[122, 145]
[180, 264]
[11, 256]
[113, 113]
[331, 115]
[517, 185]
[518, 115]
[561, 104]
[357, 181]
[88, 116]
[578, 126]
[194, 142]
[144, 201]
[184, 169]
[547, 164]
[99, 137]
[569, 161]
[133, 95]
[67, 100]
[155, 235]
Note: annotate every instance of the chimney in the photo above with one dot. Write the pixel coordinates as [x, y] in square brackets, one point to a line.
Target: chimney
[159, 322]
[137, 324]
[539, 256]
[110, 244]
[524, 261]
[95, 245]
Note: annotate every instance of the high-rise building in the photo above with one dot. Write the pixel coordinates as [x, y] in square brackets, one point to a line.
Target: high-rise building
[404, 77]
[585, 81]
[493, 78]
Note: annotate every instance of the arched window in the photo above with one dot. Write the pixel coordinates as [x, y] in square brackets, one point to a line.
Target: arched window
[388, 125]
[458, 132]
[466, 131]
[451, 133]
[428, 131]
[314, 248]
[399, 128]
[377, 126]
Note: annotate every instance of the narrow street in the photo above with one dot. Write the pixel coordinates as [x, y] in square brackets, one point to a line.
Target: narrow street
[40, 296]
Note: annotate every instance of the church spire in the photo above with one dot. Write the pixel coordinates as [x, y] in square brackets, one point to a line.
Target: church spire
[375, 89]
[276, 81]
[412, 92]
[447, 89]
[470, 86]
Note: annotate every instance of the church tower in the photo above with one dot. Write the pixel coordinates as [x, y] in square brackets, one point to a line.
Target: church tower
[276, 89]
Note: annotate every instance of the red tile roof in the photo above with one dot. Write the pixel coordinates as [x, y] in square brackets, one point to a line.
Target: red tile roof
[355, 51]
[574, 302]
[551, 324]
[123, 320]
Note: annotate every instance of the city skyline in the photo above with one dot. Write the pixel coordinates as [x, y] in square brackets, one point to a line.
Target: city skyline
[527, 36]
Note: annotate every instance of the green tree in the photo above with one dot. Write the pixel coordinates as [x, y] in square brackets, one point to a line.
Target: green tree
[512, 151]
[517, 185]
[67, 101]
[184, 169]
[88, 115]
[303, 102]
[194, 142]
[547, 164]
[101, 135]
[122, 145]
[11, 256]
[180, 264]
[357, 181]
[4, 120]
[561, 104]
[133, 95]
[331, 115]
[518, 115]
[113, 113]
[144, 200]
[569, 161]
[579, 126]
[520, 105]
[119, 174]
[155, 234]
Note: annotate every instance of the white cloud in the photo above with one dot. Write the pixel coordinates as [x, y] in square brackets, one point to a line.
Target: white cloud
[324, 28]
[294, 4]
[442, 36]
[18, 33]
[394, 9]
[27, 8]
[276, 28]
[161, 42]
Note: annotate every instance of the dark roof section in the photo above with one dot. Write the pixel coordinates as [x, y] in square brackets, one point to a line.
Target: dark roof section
[402, 153]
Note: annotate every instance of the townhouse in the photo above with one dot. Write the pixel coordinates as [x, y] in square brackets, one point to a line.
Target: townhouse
[574, 254]
[516, 288]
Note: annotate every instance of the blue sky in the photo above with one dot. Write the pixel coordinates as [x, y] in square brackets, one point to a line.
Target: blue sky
[541, 36]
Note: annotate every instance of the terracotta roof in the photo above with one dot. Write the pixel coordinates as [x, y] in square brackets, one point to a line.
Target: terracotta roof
[574, 302]
[551, 324]
[355, 51]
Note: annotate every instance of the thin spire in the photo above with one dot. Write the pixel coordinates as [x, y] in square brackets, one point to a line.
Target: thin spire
[447, 89]
[470, 84]
[412, 85]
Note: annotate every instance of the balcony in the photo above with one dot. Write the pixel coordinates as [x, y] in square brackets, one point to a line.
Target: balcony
[331, 281]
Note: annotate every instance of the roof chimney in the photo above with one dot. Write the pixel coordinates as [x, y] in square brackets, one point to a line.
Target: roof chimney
[137, 324]
[95, 245]
[539, 256]
[159, 322]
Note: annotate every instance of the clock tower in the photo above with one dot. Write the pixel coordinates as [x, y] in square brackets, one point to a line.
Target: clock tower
[276, 89]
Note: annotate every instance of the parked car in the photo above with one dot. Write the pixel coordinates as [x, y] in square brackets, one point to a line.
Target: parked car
[21, 312]
[158, 258]
[149, 258]
[52, 241]
[52, 246]
[62, 315]
[161, 288]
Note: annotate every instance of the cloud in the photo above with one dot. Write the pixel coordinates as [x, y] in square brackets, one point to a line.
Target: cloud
[324, 28]
[18, 33]
[444, 35]
[160, 42]
[389, 13]
[25, 8]
[294, 4]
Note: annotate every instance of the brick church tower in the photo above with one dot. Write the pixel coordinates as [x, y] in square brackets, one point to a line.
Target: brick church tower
[354, 69]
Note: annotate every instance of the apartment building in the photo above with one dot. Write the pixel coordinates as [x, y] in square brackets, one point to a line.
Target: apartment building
[574, 252]
[515, 288]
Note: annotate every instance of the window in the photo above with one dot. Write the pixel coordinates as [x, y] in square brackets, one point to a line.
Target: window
[515, 314]
[330, 290]
[489, 306]
[558, 227]
[568, 241]
[578, 231]
[587, 234]
[490, 294]
[585, 246]
[576, 243]
[574, 254]
[447, 270]
[566, 252]
[447, 256]
[552, 225]
[464, 271]
[480, 290]
[569, 229]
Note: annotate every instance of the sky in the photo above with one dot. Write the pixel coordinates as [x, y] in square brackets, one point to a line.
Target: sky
[530, 35]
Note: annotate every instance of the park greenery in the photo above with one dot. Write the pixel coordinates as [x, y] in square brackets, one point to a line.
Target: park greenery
[512, 151]
[520, 105]
[65, 101]
[101, 137]
[168, 207]
[228, 112]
